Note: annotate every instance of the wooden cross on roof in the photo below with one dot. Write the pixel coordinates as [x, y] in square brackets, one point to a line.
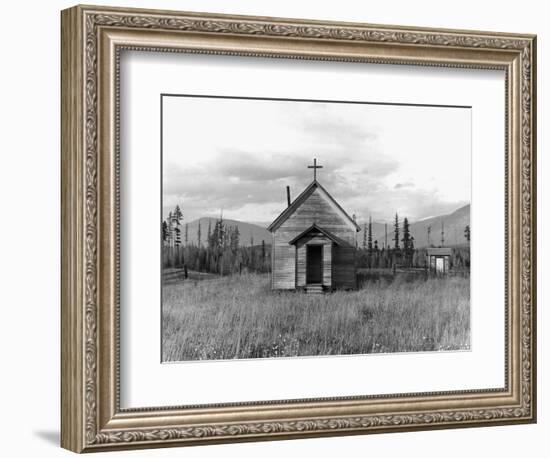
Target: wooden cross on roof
[314, 167]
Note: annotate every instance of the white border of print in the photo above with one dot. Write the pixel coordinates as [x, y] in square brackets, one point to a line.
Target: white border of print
[145, 382]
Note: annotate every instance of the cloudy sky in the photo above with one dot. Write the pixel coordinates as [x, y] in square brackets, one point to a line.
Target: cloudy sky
[239, 155]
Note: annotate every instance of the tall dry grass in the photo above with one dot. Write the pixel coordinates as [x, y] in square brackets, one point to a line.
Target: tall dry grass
[240, 317]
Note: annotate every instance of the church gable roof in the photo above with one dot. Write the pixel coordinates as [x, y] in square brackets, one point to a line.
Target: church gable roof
[291, 209]
[316, 229]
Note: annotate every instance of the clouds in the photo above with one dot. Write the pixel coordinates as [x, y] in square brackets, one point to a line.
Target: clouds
[337, 132]
[253, 167]
[239, 155]
[403, 185]
[416, 204]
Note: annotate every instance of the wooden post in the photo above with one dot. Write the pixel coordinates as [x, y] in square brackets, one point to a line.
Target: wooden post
[288, 195]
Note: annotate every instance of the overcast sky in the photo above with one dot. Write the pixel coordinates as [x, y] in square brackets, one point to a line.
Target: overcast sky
[239, 155]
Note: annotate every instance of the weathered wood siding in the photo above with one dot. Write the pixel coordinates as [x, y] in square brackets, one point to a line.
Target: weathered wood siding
[316, 209]
[301, 259]
[343, 267]
[284, 264]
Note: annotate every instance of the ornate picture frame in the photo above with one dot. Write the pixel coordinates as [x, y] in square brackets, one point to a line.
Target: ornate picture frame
[92, 40]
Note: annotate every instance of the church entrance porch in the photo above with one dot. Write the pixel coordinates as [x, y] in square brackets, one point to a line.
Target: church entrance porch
[313, 260]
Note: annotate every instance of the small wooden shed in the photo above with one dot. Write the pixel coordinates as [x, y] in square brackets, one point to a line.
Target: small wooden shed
[439, 259]
[313, 244]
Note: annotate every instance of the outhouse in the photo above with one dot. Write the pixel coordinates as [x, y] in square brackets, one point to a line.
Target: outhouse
[439, 259]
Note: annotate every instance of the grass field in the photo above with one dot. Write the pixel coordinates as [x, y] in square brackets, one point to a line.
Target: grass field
[240, 317]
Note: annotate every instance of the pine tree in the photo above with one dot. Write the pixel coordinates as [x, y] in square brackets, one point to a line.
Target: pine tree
[369, 243]
[176, 218]
[199, 234]
[234, 239]
[467, 233]
[407, 242]
[406, 236]
[376, 255]
[364, 236]
[177, 215]
[220, 234]
[396, 232]
[170, 230]
[210, 248]
[164, 232]
[216, 245]
[186, 233]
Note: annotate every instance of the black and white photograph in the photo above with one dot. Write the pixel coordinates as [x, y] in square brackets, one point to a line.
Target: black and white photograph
[295, 228]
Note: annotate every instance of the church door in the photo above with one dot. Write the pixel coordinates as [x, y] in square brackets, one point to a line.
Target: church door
[314, 264]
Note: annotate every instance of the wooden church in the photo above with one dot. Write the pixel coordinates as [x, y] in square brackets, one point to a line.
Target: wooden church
[313, 243]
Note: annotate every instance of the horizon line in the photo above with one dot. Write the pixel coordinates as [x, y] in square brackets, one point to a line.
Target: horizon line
[257, 223]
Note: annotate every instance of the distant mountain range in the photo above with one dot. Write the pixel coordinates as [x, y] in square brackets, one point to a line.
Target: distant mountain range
[249, 232]
[453, 223]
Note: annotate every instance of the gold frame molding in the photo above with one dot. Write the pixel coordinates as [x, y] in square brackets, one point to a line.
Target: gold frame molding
[92, 38]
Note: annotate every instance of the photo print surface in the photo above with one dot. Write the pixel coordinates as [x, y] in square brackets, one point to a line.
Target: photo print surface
[295, 228]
